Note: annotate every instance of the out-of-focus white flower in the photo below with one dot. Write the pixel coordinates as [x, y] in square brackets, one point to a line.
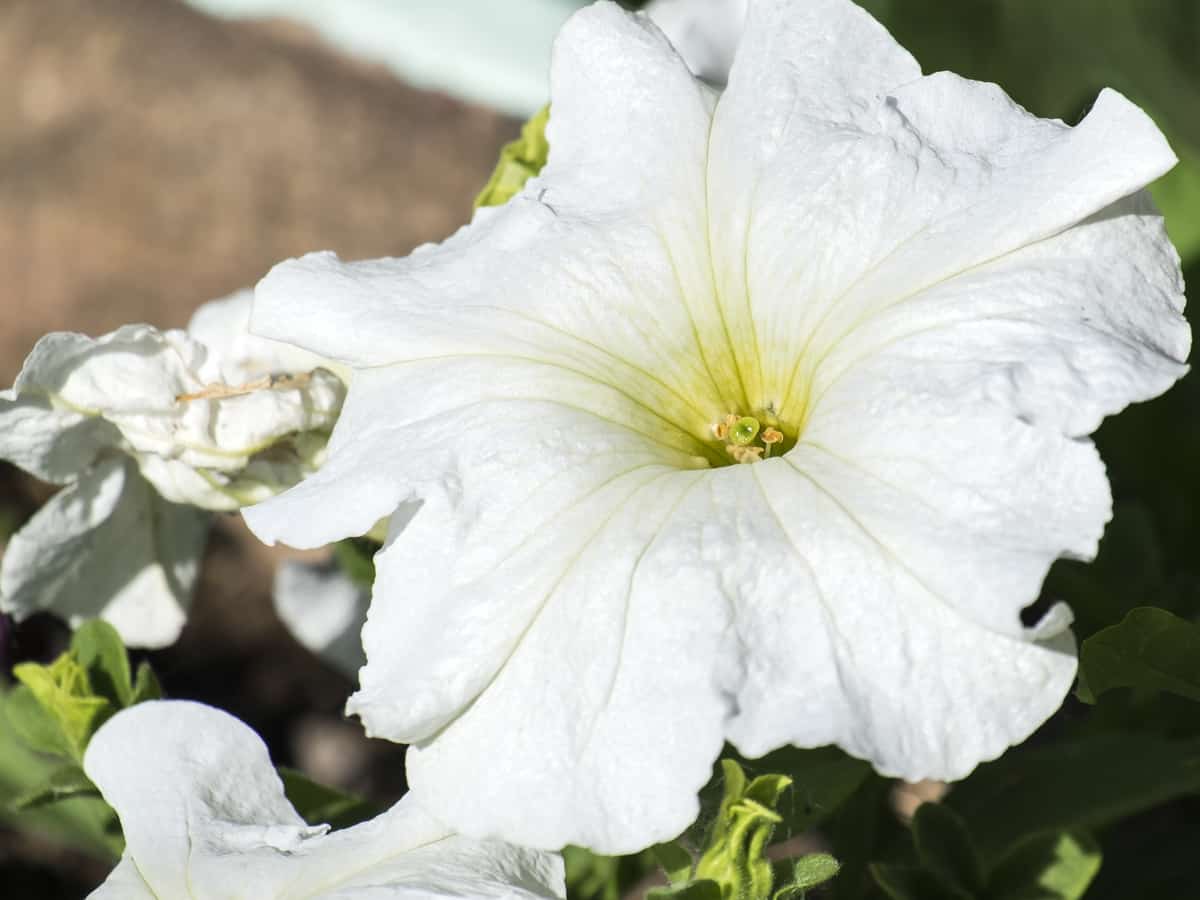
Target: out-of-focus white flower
[205, 816]
[757, 416]
[324, 610]
[139, 425]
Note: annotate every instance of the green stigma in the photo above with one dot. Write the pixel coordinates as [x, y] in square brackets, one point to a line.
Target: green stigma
[744, 431]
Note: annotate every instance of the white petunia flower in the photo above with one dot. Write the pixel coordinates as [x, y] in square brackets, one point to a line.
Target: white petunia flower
[205, 817]
[140, 425]
[757, 416]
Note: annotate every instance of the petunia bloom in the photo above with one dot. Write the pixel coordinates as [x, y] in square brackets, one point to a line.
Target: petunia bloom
[205, 816]
[758, 416]
[140, 426]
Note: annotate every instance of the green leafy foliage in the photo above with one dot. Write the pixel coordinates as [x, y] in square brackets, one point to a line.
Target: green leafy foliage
[594, 877]
[1051, 866]
[944, 849]
[519, 161]
[1151, 648]
[320, 804]
[809, 872]
[61, 784]
[356, 558]
[1087, 782]
[58, 707]
[702, 889]
[1047, 867]
[39, 795]
[822, 779]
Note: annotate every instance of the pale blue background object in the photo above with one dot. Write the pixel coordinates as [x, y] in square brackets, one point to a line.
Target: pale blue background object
[492, 52]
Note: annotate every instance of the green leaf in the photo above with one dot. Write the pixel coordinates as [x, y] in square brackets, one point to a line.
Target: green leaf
[356, 558]
[145, 685]
[61, 784]
[861, 828]
[944, 848]
[1177, 195]
[675, 861]
[594, 877]
[691, 890]
[34, 725]
[319, 804]
[1083, 783]
[84, 822]
[97, 647]
[519, 161]
[1150, 648]
[1047, 867]
[822, 779]
[63, 690]
[909, 883]
[810, 871]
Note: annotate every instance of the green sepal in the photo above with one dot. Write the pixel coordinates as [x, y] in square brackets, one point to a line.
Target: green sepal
[519, 161]
[809, 872]
[61, 784]
[674, 860]
[64, 691]
[1150, 648]
[735, 857]
[319, 804]
[97, 647]
[945, 849]
[1047, 867]
[145, 685]
[701, 889]
[33, 724]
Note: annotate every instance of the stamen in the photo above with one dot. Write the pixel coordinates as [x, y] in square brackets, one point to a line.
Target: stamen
[744, 454]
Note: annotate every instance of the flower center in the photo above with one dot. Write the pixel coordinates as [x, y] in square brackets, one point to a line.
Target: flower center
[750, 439]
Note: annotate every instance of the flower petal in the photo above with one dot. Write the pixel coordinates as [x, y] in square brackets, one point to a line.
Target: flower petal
[107, 546]
[204, 814]
[235, 356]
[324, 610]
[893, 196]
[51, 444]
[885, 643]
[551, 639]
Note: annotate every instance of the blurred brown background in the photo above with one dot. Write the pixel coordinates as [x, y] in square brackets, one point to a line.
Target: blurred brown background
[151, 159]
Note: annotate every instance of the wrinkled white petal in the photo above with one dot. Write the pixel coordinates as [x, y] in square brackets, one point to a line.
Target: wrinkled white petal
[324, 610]
[704, 32]
[107, 546]
[938, 295]
[51, 444]
[204, 815]
[235, 356]
[206, 443]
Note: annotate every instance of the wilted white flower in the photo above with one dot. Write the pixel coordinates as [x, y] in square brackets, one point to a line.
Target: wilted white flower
[205, 816]
[140, 425]
[757, 416]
